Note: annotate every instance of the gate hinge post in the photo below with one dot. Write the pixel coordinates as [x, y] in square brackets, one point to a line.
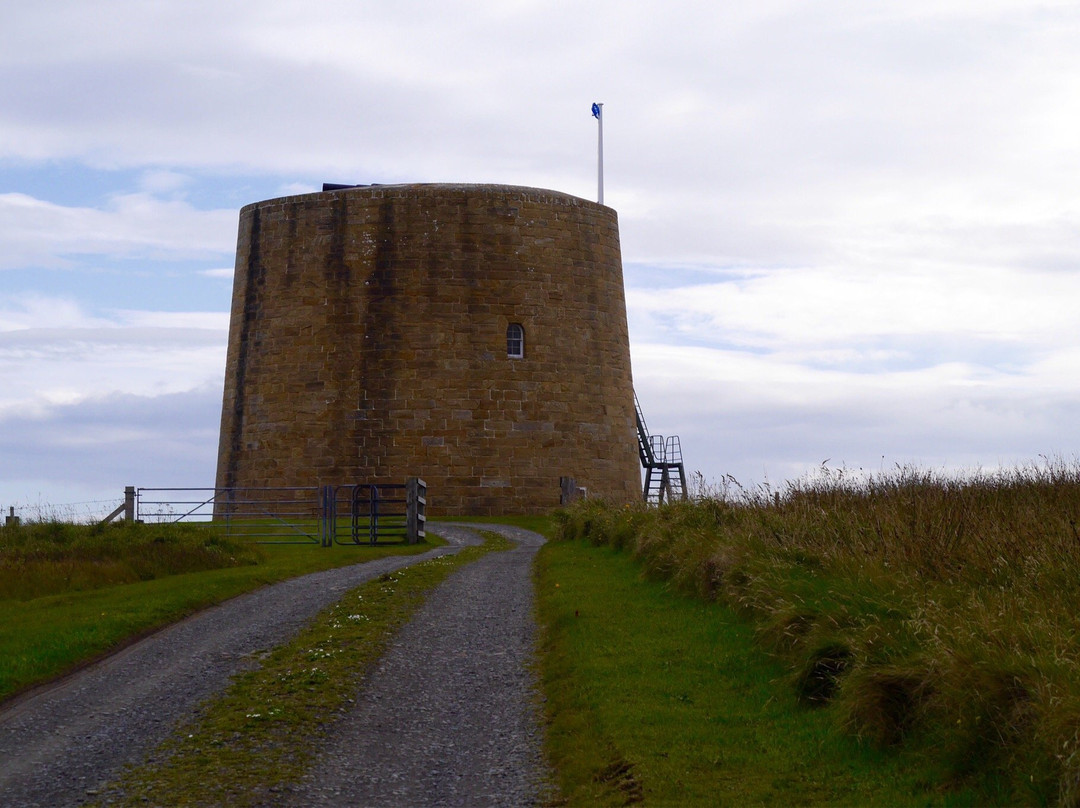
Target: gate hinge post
[416, 510]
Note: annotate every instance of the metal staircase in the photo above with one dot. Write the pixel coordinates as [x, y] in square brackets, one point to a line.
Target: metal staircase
[665, 476]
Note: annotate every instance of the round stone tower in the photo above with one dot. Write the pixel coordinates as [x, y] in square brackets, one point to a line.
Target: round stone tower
[471, 335]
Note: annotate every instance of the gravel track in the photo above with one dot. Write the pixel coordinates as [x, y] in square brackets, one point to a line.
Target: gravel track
[59, 746]
[450, 716]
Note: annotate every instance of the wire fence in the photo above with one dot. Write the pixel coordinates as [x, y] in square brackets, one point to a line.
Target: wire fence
[83, 512]
[325, 515]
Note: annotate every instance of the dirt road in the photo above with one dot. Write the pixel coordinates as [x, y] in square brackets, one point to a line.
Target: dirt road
[455, 692]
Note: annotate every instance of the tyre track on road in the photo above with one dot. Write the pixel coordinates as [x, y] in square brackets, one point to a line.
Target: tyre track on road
[451, 714]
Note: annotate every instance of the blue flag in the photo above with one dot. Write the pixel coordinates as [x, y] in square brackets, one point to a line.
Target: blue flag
[596, 110]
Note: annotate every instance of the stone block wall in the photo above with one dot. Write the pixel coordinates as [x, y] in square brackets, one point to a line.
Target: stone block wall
[368, 343]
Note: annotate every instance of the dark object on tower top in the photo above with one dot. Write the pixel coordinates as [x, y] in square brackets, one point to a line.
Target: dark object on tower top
[335, 186]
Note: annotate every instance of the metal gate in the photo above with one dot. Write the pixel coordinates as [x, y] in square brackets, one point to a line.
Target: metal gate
[325, 515]
[366, 514]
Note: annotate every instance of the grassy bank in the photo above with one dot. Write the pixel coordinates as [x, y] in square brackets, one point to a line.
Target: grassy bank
[661, 699]
[70, 593]
[49, 558]
[921, 616]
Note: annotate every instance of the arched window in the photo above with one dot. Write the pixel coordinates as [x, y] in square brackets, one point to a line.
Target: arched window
[515, 341]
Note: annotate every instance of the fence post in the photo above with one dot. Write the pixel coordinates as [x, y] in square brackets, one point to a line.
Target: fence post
[129, 503]
[416, 509]
[567, 485]
[127, 508]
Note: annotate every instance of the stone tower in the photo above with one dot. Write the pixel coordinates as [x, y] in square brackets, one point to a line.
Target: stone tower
[471, 335]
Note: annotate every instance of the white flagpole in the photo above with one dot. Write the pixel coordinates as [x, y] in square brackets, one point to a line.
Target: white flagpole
[598, 111]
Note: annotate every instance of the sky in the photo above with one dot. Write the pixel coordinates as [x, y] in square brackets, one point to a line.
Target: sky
[850, 230]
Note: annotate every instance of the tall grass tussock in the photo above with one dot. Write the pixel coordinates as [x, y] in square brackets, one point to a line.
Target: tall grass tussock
[52, 557]
[937, 613]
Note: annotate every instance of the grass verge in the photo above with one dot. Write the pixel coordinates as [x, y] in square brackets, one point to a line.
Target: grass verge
[931, 617]
[264, 729]
[657, 698]
[48, 636]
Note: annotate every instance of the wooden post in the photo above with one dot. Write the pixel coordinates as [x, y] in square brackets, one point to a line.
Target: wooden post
[127, 508]
[416, 509]
[567, 490]
[129, 503]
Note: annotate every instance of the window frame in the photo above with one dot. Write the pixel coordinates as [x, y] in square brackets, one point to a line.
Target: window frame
[515, 336]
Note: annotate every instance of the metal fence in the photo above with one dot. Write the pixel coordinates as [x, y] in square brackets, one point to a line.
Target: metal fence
[347, 514]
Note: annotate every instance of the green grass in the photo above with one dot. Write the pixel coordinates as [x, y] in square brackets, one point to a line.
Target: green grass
[659, 698]
[932, 618]
[89, 614]
[264, 730]
[903, 641]
[48, 558]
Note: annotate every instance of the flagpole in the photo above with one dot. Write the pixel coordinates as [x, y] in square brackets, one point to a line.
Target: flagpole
[598, 113]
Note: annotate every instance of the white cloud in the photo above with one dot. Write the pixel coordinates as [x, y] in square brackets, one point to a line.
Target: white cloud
[86, 452]
[51, 353]
[37, 233]
[40, 311]
[850, 229]
[91, 403]
[760, 418]
[298, 188]
[163, 181]
[807, 310]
